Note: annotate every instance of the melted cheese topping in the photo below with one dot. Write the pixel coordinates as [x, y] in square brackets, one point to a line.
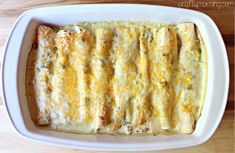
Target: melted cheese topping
[119, 78]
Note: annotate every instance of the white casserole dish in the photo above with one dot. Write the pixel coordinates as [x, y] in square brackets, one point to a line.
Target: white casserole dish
[19, 44]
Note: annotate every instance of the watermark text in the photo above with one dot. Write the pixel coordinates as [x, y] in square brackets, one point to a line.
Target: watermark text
[205, 4]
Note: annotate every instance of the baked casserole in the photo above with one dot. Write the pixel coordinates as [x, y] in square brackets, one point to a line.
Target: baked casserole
[119, 78]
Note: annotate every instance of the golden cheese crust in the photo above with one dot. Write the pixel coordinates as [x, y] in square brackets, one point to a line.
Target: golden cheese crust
[118, 77]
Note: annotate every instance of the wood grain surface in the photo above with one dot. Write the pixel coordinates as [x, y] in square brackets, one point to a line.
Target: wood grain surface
[221, 11]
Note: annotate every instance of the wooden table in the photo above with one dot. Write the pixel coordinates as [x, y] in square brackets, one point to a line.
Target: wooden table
[221, 141]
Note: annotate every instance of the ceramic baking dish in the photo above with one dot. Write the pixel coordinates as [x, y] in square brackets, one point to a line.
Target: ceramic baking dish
[20, 42]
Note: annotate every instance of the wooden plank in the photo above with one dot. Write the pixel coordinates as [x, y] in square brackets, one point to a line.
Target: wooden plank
[231, 86]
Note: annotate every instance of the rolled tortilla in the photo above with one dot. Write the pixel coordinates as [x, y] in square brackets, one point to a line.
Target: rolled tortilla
[165, 53]
[102, 74]
[125, 68]
[141, 102]
[188, 62]
[83, 48]
[64, 41]
[46, 47]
